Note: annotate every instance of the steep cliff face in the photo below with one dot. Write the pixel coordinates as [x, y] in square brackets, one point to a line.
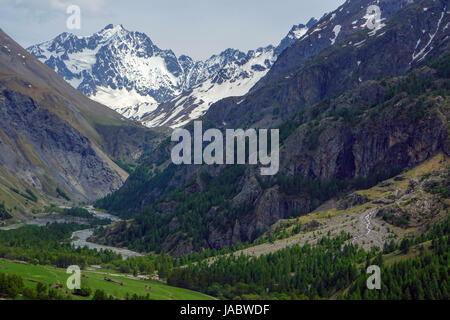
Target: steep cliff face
[47, 153]
[356, 136]
[53, 141]
[360, 111]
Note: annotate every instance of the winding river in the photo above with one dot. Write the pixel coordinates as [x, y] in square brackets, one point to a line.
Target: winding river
[80, 237]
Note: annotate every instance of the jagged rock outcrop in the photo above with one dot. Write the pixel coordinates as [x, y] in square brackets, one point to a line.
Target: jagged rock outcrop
[351, 200]
[47, 153]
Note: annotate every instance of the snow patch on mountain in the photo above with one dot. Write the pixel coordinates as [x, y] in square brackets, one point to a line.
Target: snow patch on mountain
[336, 31]
[128, 103]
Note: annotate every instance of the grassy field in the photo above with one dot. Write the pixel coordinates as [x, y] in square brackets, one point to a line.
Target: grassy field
[95, 280]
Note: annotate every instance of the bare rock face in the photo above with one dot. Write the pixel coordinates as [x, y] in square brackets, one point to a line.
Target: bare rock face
[271, 207]
[177, 245]
[346, 151]
[50, 153]
[250, 192]
[218, 239]
[351, 200]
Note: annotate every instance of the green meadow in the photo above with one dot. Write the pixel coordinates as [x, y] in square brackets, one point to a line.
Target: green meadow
[32, 274]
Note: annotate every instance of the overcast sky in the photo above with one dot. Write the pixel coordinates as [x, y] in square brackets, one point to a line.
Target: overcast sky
[198, 28]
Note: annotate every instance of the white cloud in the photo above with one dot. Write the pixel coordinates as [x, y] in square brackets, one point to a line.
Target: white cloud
[93, 6]
[50, 6]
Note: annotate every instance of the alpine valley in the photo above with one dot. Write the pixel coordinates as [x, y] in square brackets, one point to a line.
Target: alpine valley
[362, 106]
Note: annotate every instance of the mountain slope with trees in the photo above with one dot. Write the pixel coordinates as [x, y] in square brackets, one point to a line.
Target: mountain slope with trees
[343, 127]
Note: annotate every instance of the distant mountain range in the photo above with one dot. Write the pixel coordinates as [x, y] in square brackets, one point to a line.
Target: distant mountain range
[126, 71]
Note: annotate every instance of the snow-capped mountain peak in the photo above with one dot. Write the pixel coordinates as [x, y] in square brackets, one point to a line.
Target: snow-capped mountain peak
[126, 71]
